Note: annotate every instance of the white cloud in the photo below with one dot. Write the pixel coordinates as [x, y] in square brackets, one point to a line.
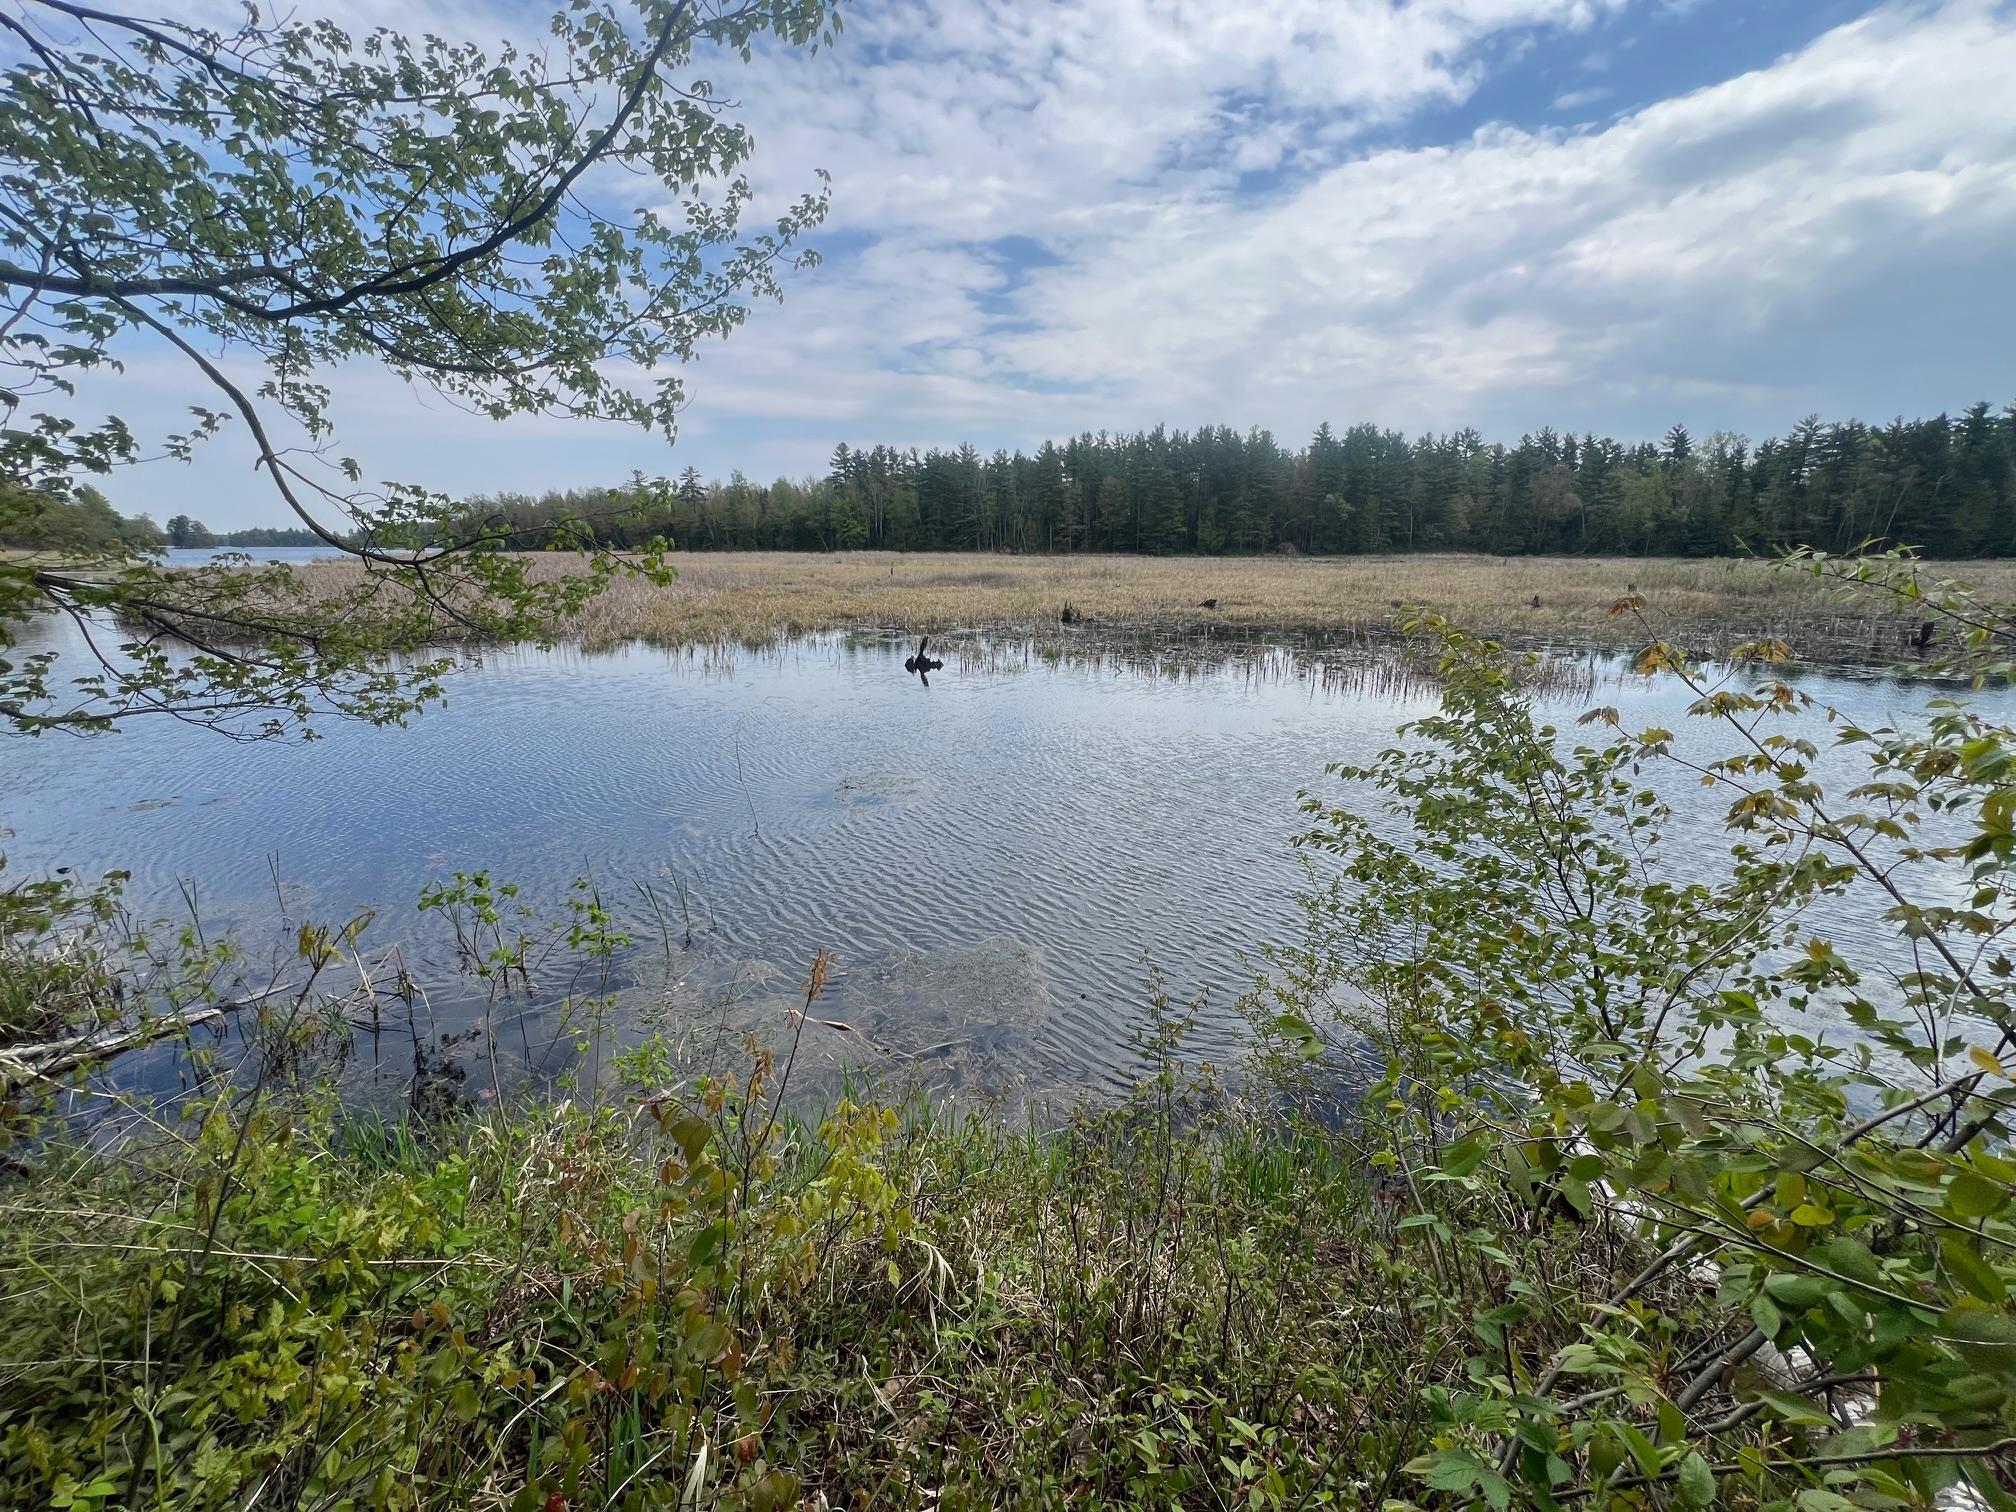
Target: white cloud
[1229, 232]
[985, 117]
[1592, 276]
[1575, 99]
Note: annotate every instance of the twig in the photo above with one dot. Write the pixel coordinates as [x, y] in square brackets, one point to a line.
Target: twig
[1815, 1462]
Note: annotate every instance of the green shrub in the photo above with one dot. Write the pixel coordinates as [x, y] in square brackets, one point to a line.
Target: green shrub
[1563, 1176]
[681, 1298]
[1783, 1159]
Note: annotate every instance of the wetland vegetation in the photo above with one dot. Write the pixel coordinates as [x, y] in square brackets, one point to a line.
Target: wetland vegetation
[1581, 1142]
[1545, 1173]
[757, 598]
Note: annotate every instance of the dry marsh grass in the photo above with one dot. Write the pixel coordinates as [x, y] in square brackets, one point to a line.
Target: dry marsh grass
[756, 598]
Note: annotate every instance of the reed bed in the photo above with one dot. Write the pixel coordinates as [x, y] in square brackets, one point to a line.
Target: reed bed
[757, 599]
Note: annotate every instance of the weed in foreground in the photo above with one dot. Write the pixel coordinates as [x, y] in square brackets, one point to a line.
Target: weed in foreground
[690, 1296]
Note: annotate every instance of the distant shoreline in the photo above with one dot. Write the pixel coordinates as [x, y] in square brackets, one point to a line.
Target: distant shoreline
[757, 598]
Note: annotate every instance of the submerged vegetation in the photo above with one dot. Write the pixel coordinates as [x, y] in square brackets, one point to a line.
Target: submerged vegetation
[1553, 1178]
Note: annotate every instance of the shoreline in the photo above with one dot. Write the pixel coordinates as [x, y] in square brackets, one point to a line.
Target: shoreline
[756, 599]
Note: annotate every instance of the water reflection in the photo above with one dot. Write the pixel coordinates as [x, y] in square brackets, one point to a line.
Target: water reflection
[921, 663]
[996, 879]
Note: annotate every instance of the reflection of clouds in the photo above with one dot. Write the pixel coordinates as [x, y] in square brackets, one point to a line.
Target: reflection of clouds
[996, 857]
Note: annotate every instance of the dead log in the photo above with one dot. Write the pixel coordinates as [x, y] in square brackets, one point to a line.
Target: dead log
[21, 1064]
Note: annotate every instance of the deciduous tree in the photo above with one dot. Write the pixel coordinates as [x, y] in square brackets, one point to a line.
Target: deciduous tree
[267, 202]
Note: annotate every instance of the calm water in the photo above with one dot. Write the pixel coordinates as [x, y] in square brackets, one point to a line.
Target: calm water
[200, 556]
[994, 857]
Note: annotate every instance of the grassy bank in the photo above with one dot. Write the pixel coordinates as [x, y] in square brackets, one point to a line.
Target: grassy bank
[754, 598]
[652, 1305]
[1562, 1169]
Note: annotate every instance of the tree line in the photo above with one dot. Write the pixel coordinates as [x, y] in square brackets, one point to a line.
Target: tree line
[185, 533]
[1946, 485]
[85, 523]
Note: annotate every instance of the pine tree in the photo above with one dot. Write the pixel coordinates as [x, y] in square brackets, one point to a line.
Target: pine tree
[1115, 514]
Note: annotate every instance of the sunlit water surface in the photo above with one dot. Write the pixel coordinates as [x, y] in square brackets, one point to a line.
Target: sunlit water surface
[997, 859]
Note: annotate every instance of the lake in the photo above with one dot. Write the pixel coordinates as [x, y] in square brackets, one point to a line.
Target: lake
[200, 556]
[998, 858]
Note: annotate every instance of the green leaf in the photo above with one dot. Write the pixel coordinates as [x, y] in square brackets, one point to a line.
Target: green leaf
[1641, 1449]
[692, 1135]
[1464, 1156]
[1695, 1486]
[706, 1244]
[1672, 1423]
[1796, 1291]
[1577, 1192]
[1851, 1257]
[1985, 1337]
[1308, 1043]
[1972, 1195]
[1793, 1408]
[709, 1340]
[1970, 1270]
[1977, 1391]
[1764, 1312]
[1449, 1469]
[1580, 1359]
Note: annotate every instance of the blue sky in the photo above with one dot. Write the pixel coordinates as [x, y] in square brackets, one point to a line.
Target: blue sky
[1063, 215]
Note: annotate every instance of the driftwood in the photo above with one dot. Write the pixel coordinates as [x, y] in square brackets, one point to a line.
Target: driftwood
[20, 1064]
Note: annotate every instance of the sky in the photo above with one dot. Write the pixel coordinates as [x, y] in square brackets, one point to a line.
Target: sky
[1054, 216]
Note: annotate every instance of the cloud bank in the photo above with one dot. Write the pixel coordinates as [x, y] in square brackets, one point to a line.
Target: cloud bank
[1057, 215]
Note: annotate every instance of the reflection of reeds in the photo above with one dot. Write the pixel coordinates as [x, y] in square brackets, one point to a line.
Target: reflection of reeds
[1385, 665]
[755, 599]
[1363, 666]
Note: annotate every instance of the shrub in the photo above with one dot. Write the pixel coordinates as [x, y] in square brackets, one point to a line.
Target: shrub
[1776, 1165]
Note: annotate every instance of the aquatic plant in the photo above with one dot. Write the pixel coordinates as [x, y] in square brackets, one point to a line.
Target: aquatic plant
[1558, 1178]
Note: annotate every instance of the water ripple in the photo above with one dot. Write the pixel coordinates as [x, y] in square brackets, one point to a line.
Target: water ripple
[1010, 848]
